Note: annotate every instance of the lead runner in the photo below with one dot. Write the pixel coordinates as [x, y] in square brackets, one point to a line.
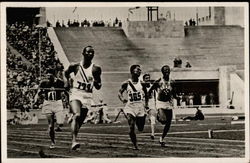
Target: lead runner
[86, 76]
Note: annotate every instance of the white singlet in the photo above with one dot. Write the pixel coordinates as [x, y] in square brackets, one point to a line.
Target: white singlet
[83, 86]
[136, 99]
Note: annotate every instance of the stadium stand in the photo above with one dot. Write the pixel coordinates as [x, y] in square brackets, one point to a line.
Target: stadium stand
[23, 69]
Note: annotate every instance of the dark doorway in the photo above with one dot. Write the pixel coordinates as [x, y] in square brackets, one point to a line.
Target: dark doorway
[203, 92]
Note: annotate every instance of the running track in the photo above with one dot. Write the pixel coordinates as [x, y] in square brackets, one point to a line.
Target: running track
[27, 142]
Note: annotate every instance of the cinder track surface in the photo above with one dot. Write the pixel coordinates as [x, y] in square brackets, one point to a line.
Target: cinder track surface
[185, 139]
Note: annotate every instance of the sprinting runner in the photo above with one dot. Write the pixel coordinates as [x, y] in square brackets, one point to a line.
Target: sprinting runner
[164, 102]
[51, 89]
[86, 76]
[135, 103]
[151, 104]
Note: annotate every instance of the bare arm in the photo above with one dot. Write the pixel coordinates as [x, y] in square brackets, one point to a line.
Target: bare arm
[39, 91]
[174, 93]
[121, 90]
[144, 88]
[71, 69]
[154, 86]
[97, 71]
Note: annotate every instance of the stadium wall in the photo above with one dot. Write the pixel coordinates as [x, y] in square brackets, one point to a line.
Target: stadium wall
[155, 29]
[58, 47]
[237, 86]
[215, 31]
[224, 84]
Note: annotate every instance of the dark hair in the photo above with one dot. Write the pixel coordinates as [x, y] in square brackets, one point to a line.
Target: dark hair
[85, 48]
[146, 74]
[133, 67]
[165, 66]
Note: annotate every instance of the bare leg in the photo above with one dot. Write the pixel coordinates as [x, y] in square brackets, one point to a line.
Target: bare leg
[77, 121]
[169, 115]
[131, 122]
[51, 126]
[152, 117]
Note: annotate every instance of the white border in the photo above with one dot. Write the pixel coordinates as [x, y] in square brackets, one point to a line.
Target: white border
[119, 4]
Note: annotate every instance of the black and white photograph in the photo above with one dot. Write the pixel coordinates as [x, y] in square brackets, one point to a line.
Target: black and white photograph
[119, 82]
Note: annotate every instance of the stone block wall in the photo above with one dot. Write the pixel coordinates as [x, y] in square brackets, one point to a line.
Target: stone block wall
[155, 29]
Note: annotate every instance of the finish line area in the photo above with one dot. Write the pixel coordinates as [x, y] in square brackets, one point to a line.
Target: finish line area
[185, 139]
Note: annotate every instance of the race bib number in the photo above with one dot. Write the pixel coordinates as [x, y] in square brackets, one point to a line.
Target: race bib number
[136, 96]
[84, 86]
[52, 95]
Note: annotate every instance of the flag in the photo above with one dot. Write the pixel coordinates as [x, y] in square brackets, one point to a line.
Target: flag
[130, 9]
[74, 9]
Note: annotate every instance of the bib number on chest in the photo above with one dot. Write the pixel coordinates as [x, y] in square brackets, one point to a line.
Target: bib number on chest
[136, 96]
[84, 86]
[52, 95]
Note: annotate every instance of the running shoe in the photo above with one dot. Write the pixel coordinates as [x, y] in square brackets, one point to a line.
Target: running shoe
[163, 144]
[136, 148]
[52, 146]
[75, 146]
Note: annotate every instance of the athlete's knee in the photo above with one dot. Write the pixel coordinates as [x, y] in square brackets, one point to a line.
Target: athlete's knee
[76, 116]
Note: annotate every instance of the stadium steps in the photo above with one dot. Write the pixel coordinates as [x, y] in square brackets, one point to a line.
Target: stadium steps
[206, 47]
[209, 46]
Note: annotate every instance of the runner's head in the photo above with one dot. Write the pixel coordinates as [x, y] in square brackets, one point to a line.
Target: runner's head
[88, 53]
[146, 77]
[50, 74]
[165, 70]
[135, 70]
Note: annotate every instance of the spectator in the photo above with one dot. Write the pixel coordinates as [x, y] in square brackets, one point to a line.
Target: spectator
[194, 22]
[190, 22]
[198, 116]
[177, 62]
[188, 65]
[58, 24]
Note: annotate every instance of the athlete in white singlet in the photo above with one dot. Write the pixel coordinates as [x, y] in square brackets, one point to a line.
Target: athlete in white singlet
[86, 76]
[135, 102]
[151, 104]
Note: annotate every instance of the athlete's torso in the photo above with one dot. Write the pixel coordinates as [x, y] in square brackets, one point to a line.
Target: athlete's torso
[83, 79]
[136, 95]
[52, 90]
[164, 91]
[151, 96]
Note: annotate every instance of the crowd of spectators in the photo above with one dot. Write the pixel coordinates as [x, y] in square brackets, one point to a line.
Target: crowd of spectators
[190, 99]
[178, 63]
[87, 23]
[191, 22]
[27, 67]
